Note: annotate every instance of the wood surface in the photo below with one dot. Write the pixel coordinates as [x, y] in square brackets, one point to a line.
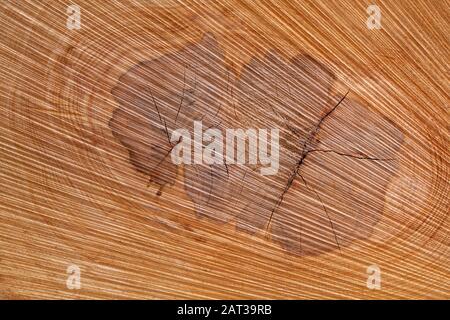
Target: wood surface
[363, 174]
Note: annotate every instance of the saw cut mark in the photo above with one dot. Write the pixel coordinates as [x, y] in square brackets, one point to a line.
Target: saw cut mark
[333, 144]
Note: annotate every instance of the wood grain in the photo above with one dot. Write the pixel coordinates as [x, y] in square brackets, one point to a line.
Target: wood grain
[363, 178]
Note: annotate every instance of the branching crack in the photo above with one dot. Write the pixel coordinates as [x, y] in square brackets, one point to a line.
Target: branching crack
[182, 94]
[161, 161]
[296, 169]
[161, 120]
[324, 209]
[356, 156]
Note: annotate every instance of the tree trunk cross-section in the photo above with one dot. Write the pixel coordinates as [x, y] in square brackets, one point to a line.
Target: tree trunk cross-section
[330, 146]
[88, 181]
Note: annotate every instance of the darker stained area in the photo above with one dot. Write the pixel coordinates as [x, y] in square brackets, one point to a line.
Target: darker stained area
[336, 156]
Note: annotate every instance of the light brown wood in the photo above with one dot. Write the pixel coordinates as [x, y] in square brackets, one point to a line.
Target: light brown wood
[363, 177]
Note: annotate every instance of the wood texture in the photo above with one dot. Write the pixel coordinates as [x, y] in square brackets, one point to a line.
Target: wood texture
[363, 176]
